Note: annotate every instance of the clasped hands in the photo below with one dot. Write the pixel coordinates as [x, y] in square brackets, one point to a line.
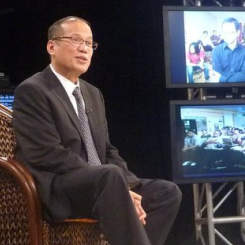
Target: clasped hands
[137, 204]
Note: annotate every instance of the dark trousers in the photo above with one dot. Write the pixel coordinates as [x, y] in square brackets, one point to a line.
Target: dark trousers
[101, 192]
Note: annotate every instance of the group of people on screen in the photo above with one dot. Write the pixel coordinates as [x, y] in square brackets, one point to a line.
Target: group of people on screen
[227, 137]
[217, 58]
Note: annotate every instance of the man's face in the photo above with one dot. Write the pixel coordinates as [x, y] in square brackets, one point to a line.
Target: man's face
[68, 59]
[190, 134]
[229, 33]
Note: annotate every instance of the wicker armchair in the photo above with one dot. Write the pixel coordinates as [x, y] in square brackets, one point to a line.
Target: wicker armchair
[21, 220]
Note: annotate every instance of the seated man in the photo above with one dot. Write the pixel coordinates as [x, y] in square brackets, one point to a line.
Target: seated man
[191, 142]
[228, 58]
[205, 135]
[215, 38]
[207, 42]
[62, 138]
[237, 136]
[215, 141]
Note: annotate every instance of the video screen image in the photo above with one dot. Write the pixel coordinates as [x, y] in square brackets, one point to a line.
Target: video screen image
[208, 45]
[212, 141]
[7, 99]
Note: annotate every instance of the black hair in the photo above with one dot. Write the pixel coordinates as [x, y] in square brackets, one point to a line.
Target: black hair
[196, 47]
[232, 20]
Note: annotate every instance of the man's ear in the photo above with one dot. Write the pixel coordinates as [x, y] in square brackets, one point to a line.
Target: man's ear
[50, 47]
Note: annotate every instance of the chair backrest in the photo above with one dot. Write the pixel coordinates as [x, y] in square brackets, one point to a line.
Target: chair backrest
[18, 195]
[7, 137]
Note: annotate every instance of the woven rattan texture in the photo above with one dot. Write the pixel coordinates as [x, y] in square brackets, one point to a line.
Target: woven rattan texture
[13, 212]
[74, 233]
[7, 138]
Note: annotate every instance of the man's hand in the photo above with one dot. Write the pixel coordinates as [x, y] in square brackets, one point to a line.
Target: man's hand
[137, 204]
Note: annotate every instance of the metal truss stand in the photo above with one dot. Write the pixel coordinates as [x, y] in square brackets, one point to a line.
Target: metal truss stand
[205, 209]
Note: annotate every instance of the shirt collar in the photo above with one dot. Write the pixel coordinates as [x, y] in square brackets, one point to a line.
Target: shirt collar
[67, 84]
[227, 47]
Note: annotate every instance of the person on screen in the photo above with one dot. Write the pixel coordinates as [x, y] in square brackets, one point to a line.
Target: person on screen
[215, 38]
[191, 142]
[205, 135]
[62, 138]
[236, 136]
[195, 62]
[215, 141]
[228, 58]
[207, 43]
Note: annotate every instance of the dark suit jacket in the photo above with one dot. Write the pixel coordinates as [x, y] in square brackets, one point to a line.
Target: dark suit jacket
[49, 138]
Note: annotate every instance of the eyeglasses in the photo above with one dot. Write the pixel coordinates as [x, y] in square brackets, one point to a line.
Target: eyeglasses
[78, 41]
[229, 32]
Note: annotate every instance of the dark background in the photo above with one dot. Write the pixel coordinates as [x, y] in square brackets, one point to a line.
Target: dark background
[129, 69]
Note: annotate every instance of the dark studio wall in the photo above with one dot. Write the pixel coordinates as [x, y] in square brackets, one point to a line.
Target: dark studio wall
[128, 67]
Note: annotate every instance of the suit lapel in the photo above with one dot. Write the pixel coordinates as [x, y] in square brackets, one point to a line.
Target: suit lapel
[57, 89]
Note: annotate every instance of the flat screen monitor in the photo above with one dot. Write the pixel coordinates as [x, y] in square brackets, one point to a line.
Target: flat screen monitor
[7, 98]
[204, 46]
[208, 140]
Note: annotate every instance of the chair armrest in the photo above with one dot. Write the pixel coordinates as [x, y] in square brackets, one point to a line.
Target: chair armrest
[22, 187]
